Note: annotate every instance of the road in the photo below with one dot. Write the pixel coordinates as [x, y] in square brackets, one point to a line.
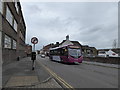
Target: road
[83, 75]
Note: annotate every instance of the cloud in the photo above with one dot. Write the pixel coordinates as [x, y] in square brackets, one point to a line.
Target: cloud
[91, 23]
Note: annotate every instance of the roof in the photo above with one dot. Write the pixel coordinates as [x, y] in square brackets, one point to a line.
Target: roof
[117, 50]
[47, 46]
[62, 42]
[74, 42]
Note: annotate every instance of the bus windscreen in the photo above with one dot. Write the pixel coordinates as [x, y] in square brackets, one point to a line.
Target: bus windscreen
[76, 53]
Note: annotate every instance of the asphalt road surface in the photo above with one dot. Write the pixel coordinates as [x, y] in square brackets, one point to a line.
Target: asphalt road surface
[83, 75]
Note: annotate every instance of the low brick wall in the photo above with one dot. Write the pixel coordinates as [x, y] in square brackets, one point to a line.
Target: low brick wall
[111, 60]
[10, 55]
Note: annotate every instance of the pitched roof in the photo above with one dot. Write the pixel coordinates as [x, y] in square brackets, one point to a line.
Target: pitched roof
[74, 42]
[117, 50]
[62, 42]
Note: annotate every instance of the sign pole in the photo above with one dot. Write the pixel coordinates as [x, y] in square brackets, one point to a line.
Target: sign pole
[34, 41]
[33, 66]
[34, 48]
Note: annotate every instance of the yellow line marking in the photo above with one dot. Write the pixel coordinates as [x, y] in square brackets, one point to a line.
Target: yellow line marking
[58, 78]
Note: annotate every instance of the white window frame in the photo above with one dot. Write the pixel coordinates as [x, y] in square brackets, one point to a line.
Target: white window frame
[7, 42]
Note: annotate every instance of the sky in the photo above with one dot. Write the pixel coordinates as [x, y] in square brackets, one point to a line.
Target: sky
[91, 23]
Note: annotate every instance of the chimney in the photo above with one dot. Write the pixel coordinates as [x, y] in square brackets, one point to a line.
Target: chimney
[57, 43]
[67, 37]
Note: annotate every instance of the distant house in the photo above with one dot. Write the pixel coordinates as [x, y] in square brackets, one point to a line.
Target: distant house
[109, 52]
[46, 48]
[55, 45]
[89, 51]
[68, 42]
[86, 50]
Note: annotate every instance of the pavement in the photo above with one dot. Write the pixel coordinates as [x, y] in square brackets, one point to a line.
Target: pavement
[117, 66]
[19, 74]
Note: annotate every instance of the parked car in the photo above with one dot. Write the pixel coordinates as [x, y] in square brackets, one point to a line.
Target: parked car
[42, 55]
[102, 54]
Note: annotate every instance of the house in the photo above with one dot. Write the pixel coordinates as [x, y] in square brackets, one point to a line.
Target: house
[86, 50]
[89, 51]
[46, 48]
[109, 52]
[68, 42]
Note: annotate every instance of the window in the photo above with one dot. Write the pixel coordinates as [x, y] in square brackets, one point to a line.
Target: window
[1, 6]
[15, 25]
[21, 36]
[14, 44]
[9, 16]
[16, 6]
[7, 42]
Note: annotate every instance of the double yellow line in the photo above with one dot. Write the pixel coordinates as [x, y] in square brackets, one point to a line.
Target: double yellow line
[58, 78]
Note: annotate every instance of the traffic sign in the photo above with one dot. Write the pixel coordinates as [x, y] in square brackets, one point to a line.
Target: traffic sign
[34, 40]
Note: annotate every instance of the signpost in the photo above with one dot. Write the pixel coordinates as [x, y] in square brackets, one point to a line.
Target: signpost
[34, 41]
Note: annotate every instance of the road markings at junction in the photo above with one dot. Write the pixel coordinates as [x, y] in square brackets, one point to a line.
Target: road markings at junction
[58, 78]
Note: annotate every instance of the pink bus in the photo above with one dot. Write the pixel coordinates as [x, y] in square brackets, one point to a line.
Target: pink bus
[67, 54]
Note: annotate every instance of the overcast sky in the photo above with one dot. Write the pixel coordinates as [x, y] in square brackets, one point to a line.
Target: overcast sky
[91, 23]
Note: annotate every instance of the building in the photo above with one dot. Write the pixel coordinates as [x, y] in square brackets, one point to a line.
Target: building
[28, 50]
[12, 31]
[68, 42]
[86, 50]
[105, 51]
[89, 51]
[119, 26]
[46, 48]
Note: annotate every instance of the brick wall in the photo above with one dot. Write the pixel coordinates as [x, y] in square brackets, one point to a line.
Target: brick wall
[9, 55]
[112, 60]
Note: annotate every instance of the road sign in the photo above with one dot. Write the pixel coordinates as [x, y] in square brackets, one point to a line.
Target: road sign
[34, 40]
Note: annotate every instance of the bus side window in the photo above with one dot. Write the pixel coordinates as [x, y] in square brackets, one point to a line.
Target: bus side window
[66, 52]
[62, 51]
